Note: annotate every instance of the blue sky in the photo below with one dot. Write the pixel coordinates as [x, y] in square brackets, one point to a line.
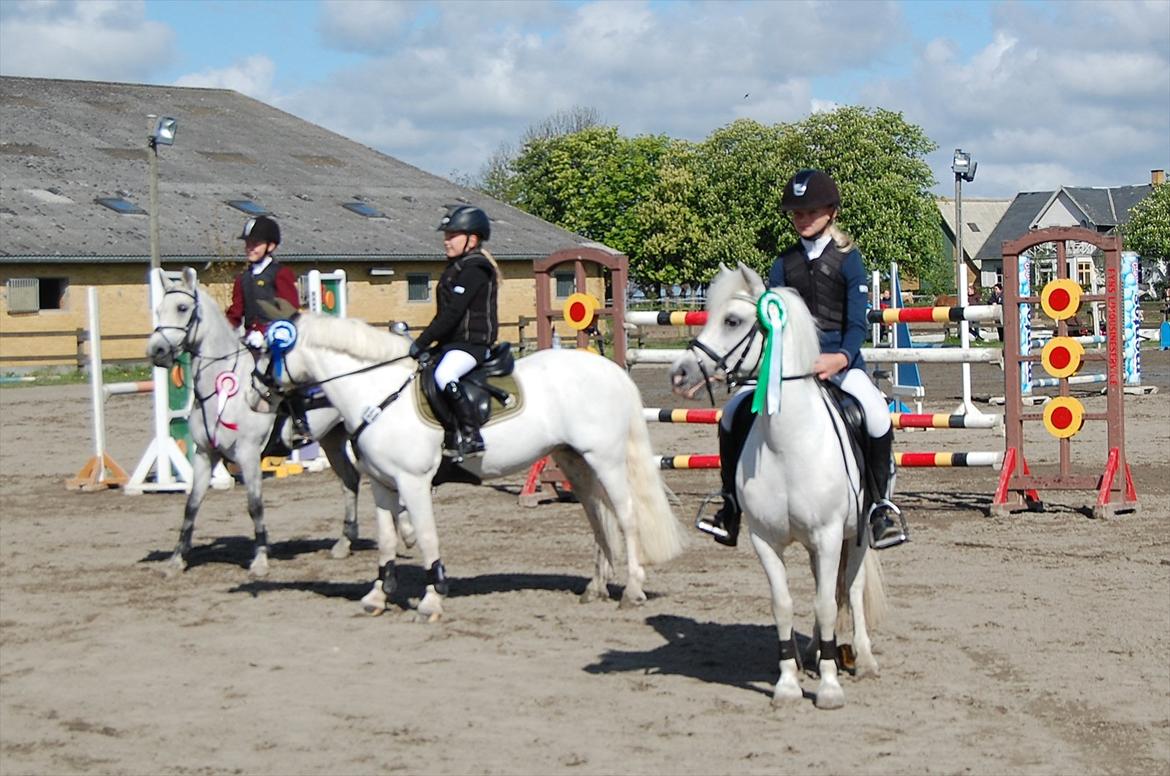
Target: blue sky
[1043, 94]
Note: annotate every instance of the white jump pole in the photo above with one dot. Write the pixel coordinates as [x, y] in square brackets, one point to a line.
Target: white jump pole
[163, 453]
[874, 355]
[95, 382]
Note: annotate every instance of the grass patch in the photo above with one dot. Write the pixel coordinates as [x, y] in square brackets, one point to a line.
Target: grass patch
[115, 373]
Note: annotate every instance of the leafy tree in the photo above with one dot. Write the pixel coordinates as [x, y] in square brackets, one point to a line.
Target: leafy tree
[496, 177]
[1148, 230]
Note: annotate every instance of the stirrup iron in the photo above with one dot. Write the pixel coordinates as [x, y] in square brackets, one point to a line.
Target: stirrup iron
[901, 537]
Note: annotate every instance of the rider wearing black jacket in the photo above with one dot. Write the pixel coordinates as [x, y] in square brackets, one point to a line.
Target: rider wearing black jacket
[466, 321]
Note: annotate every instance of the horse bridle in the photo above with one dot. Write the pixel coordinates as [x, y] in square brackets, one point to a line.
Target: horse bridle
[720, 361]
[188, 328]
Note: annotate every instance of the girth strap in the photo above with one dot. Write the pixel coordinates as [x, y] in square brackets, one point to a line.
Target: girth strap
[371, 414]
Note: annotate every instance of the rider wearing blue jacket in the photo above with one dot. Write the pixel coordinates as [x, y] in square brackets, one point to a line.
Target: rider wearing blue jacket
[827, 270]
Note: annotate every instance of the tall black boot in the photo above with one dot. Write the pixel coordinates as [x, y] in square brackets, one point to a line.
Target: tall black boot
[724, 524]
[468, 440]
[887, 527]
[301, 434]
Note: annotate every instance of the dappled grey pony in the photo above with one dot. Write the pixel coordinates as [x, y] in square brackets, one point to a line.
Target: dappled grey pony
[223, 425]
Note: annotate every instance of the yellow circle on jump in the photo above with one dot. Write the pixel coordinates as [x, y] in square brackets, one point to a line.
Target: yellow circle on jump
[1062, 356]
[1060, 299]
[1064, 416]
[580, 310]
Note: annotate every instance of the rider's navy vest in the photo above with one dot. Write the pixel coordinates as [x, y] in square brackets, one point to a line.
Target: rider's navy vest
[480, 323]
[820, 283]
[257, 288]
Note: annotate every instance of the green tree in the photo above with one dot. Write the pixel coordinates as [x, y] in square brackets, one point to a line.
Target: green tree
[1148, 230]
[589, 182]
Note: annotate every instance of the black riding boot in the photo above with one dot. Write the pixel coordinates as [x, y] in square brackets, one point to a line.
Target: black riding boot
[724, 524]
[468, 441]
[301, 435]
[887, 529]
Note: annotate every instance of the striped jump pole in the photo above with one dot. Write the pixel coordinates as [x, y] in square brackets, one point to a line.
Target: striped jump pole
[688, 461]
[941, 460]
[667, 318]
[1052, 382]
[125, 389]
[915, 420]
[658, 415]
[908, 460]
[975, 312]
[873, 355]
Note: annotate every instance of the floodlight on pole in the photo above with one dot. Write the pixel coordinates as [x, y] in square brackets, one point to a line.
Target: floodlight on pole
[162, 133]
[963, 166]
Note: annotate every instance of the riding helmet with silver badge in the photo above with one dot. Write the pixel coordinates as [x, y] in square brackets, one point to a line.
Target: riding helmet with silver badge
[261, 229]
[466, 219]
[809, 190]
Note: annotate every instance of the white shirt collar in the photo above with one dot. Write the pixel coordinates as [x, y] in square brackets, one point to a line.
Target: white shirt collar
[261, 265]
[814, 248]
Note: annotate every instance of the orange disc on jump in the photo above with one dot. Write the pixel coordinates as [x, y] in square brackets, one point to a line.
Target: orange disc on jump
[1060, 299]
[177, 377]
[330, 299]
[580, 310]
[1064, 416]
[1062, 356]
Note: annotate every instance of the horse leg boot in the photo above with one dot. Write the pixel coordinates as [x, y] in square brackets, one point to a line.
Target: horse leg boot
[469, 440]
[887, 527]
[724, 524]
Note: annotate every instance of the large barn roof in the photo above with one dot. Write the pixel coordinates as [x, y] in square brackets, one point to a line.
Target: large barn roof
[65, 144]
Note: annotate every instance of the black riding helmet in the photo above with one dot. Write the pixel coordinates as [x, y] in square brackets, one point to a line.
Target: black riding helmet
[809, 190]
[467, 219]
[261, 229]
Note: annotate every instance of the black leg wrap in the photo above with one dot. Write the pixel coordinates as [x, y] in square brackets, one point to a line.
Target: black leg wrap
[437, 576]
[829, 651]
[388, 576]
[262, 539]
[788, 650]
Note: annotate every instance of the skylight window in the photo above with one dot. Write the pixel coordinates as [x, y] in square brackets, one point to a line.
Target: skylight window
[249, 207]
[362, 209]
[121, 206]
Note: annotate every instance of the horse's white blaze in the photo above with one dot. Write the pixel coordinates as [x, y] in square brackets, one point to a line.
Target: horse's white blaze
[793, 481]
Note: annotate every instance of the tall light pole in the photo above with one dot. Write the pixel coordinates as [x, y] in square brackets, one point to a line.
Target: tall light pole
[162, 133]
[964, 169]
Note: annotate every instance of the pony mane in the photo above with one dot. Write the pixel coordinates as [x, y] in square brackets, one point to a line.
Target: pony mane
[350, 336]
[803, 342]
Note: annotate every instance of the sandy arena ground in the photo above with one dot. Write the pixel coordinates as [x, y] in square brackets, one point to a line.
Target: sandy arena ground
[1036, 644]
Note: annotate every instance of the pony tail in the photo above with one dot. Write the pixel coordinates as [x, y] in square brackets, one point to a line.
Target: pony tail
[841, 239]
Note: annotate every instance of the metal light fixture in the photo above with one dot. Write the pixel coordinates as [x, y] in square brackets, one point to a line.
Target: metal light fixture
[163, 133]
[963, 166]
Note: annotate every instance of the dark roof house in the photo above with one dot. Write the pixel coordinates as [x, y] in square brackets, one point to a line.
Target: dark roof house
[66, 145]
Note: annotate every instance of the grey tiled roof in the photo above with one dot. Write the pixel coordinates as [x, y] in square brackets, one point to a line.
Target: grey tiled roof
[1103, 208]
[65, 143]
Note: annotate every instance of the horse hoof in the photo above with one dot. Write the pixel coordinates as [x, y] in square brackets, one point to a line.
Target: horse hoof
[786, 696]
[632, 601]
[830, 699]
[259, 569]
[340, 549]
[426, 619]
[173, 568]
[865, 669]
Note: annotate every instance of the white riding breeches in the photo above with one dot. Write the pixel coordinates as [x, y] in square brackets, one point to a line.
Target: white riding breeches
[857, 384]
[453, 365]
[854, 382]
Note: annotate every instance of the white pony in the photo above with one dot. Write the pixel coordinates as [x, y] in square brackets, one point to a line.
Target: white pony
[224, 425]
[579, 407]
[797, 480]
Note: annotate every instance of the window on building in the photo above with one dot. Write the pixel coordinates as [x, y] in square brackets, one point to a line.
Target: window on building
[418, 287]
[249, 207]
[1085, 273]
[974, 227]
[566, 284]
[121, 206]
[31, 295]
[362, 209]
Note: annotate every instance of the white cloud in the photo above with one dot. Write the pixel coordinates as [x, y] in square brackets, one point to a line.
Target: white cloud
[1087, 107]
[252, 76]
[450, 82]
[102, 40]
